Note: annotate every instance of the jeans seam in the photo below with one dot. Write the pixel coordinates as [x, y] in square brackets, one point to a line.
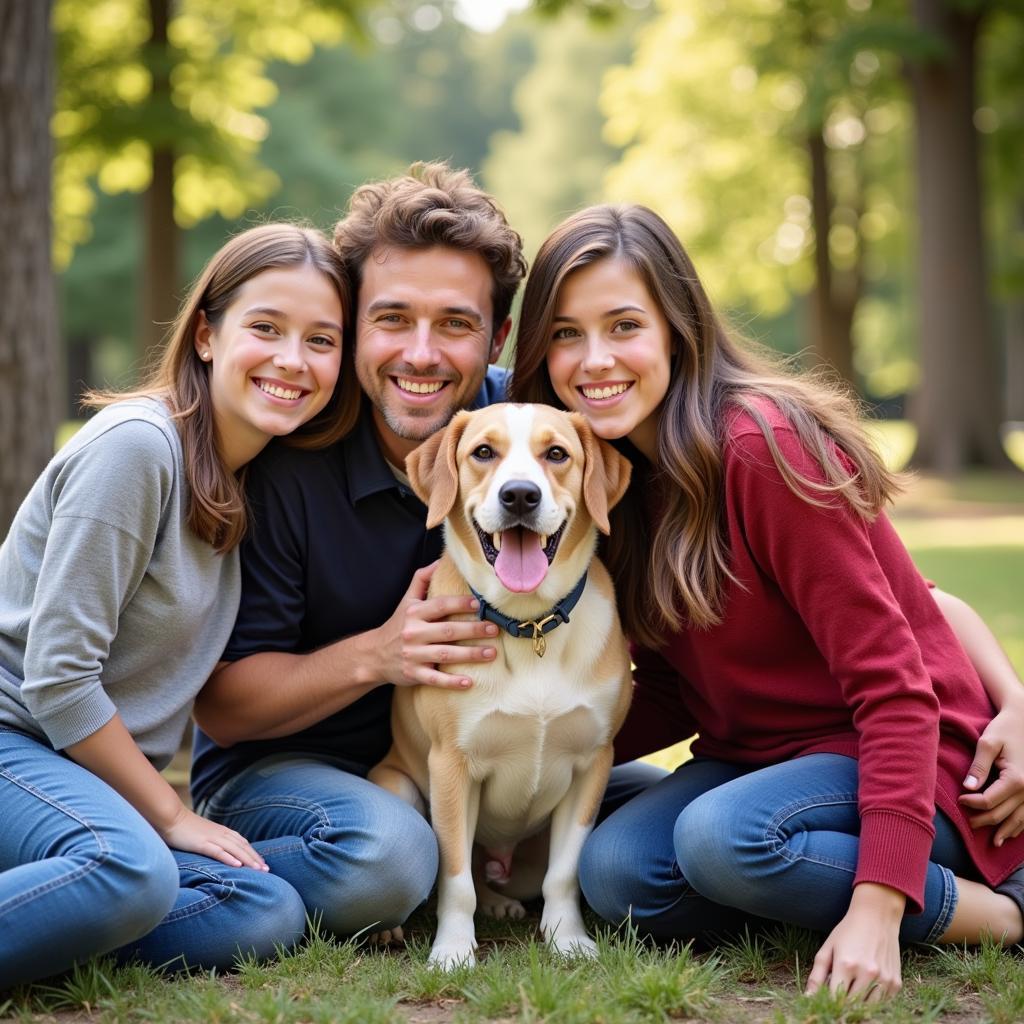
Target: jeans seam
[774, 827]
[73, 876]
[220, 811]
[209, 901]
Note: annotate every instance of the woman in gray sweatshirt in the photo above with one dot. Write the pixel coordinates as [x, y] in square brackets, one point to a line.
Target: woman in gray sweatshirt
[119, 585]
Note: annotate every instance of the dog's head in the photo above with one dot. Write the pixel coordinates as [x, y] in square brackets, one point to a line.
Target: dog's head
[522, 490]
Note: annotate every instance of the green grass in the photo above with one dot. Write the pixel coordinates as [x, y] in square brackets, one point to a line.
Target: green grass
[758, 978]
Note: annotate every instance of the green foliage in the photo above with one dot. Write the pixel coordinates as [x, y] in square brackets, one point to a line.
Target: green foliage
[111, 111]
[555, 161]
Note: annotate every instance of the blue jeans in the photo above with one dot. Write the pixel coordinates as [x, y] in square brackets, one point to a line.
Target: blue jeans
[716, 847]
[361, 858]
[82, 873]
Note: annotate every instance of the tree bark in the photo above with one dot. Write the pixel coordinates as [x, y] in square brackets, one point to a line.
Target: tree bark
[161, 249]
[28, 304]
[832, 309]
[958, 406]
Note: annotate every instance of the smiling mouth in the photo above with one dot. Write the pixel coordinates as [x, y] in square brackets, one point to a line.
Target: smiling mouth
[599, 392]
[419, 387]
[277, 391]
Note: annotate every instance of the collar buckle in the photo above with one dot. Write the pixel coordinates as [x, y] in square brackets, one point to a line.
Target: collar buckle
[540, 645]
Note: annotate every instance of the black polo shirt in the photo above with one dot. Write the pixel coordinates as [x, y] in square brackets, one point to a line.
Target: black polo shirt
[332, 547]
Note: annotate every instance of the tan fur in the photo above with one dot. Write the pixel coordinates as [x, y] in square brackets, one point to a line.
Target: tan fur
[531, 742]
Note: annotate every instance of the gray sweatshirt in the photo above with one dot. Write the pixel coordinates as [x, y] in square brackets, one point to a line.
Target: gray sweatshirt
[108, 601]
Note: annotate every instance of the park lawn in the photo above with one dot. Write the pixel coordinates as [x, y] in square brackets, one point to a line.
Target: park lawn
[969, 537]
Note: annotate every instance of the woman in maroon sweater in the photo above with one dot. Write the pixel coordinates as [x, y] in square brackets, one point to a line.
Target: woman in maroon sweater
[777, 615]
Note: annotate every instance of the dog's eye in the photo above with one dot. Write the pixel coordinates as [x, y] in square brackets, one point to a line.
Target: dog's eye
[556, 454]
[483, 452]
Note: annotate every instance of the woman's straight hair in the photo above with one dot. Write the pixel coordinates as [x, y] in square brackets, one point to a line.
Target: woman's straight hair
[674, 572]
[217, 511]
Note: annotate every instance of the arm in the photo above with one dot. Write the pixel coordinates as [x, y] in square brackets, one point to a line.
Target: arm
[275, 693]
[112, 754]
[1002, 743]
[837, 572]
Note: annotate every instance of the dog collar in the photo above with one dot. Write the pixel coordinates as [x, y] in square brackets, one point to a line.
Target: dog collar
[534, 629]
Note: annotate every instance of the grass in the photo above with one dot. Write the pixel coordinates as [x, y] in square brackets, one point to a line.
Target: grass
[967, 535]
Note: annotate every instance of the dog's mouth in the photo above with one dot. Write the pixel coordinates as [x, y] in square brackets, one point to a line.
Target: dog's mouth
[520, 556]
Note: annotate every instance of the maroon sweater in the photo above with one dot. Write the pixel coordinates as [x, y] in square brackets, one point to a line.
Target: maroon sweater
[832, 642]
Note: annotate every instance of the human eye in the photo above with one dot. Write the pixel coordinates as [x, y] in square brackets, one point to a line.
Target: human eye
[565, 334]
[263, 327]
[626, 326]
[454, 323]
[323, 341]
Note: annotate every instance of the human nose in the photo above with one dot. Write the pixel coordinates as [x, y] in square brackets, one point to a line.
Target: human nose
[597, 356]
[421, 350]
[290, 355]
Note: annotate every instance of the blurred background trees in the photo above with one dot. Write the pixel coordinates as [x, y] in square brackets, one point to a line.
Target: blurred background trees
[844, 172]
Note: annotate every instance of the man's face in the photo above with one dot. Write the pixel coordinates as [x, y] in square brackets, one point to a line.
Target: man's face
[423, 339]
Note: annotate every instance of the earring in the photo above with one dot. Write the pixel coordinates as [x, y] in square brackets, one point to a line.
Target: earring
[205, 355]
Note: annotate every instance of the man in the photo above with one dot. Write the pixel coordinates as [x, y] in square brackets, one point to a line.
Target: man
[299, 711]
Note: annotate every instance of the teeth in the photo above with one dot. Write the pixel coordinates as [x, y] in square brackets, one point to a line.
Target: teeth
[273, 389]
[606, 392]
[496, 540]
[416, 388]
[543, 541]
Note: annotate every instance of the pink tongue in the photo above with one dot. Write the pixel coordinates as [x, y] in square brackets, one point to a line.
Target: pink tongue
[521, 564]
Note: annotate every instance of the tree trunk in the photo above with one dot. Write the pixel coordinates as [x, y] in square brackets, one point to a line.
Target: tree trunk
[1015, 349]
[832, 317]
[161, 249]
[28, 305]
[957, 408]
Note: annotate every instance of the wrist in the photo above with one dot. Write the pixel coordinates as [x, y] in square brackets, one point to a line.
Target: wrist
[881, 901]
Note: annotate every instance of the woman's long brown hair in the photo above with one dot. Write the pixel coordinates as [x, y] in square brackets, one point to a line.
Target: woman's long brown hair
[674, 571]
[217, 510]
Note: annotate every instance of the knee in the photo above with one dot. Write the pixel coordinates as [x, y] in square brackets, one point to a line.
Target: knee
[378, 869]
[139, 883]
[607, 873]
[271, 913]
[711, 850]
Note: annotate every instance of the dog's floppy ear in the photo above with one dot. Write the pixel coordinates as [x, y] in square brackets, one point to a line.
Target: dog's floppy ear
[432, 470]
[605, 474]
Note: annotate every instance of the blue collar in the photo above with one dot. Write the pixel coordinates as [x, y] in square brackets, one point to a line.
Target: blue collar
[534, 629]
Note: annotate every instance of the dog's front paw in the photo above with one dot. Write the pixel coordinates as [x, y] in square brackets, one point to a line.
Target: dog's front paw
[449, 956]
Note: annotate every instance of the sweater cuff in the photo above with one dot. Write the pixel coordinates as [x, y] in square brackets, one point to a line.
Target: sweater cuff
[894, 851]
[75, 722]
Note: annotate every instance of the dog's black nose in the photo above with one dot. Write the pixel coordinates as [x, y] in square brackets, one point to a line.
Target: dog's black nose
[519, 497]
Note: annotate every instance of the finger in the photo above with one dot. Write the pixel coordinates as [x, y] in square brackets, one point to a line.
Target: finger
[819, 970]
[237, 845]
[863, 981]
[1010, 829]
[420, 583]
[439, 654]
[985, 755]
[996, 814]
[447, 631]
[1009, 786]
[216, 852]
[443, 680]
[434, 608]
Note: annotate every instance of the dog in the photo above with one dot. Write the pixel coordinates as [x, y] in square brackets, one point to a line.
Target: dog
[522, 491]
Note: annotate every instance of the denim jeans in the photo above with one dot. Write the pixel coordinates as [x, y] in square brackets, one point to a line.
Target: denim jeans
[361, 858]
[82, 873]
[717, 847]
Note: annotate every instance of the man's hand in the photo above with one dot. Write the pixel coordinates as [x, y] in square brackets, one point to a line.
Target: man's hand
[194, 834]
[420, 637]
[861, 956]
[1002, 803]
